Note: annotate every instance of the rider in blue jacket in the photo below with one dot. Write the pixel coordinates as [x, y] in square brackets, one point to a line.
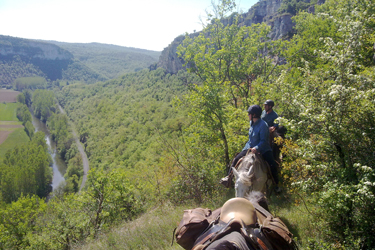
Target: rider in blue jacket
[258, 143]
[269, 115]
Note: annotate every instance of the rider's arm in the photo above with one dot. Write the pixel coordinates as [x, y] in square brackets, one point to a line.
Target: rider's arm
[263, 139]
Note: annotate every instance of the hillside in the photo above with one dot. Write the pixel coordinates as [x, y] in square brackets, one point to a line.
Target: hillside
[55, 61]
[158, 143]
[108, 60]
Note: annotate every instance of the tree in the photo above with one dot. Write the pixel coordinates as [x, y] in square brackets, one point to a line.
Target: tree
[228, 59]
[17, 220]
[331, 118]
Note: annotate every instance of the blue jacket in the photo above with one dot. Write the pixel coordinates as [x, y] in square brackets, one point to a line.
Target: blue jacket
[258, 137]
[270, 118]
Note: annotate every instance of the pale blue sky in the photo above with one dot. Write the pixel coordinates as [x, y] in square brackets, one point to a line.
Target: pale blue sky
[145, 24]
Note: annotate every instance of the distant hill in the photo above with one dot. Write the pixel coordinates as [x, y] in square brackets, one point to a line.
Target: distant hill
[109, 60]
[89, 63]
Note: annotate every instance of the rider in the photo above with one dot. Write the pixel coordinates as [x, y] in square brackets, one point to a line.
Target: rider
[258, 144]
[269, 116]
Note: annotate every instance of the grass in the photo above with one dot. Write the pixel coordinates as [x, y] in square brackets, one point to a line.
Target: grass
[154, 229]
[8, 111]
[17, 137]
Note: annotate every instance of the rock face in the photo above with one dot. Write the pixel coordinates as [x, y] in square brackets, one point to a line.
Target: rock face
[263, 11]
[10, 46]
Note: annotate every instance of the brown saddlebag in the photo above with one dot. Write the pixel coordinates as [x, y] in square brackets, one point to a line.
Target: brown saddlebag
[193, 223]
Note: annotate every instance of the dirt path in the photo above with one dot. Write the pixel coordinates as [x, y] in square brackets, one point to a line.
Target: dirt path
[85, 161]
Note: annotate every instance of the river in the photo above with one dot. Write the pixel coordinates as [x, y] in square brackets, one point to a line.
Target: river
[58, 165]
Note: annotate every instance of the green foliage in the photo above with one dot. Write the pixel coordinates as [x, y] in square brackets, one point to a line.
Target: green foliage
[112, 122]
[29, 129]
[21, 98]
[110, 197]
[142, 149]
[229, 60]
[35, 82]
[111, 61]
[76, 71]
[331, 118]
[23, 114]
[28, 95]
[14, 68]
[58, 126]
[17, 220]
[295, 6]
[25, 170]
[43, 103]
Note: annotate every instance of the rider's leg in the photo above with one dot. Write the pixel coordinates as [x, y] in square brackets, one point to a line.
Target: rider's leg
[225, 180]
[236, 159]
[268, 157]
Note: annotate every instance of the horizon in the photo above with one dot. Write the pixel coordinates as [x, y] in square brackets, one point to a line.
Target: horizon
[143, 24]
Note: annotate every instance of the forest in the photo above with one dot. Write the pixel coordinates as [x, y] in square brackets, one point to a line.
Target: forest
[87, 63]
[159, 143]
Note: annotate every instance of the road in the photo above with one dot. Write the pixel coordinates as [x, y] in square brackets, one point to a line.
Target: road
[85, 161]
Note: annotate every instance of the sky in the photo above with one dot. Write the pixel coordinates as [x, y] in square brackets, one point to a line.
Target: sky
[144, 24]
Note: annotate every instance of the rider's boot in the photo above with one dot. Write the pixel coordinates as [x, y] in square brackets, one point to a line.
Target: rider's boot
[225, 181]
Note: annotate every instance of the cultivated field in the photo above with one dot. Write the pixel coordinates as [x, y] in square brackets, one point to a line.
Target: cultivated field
[7, 95]
[11, 130]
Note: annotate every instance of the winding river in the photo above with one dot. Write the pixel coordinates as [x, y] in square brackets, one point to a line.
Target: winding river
[58, 165]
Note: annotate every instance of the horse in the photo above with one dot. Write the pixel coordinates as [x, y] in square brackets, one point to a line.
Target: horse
[252, 175]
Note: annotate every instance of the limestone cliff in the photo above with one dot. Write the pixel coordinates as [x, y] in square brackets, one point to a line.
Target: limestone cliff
[10, 46]
[263, 11]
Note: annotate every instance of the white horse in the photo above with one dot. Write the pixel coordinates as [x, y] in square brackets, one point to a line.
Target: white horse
[252, 175]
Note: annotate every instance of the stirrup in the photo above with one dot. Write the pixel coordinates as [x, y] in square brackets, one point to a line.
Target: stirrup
[226, 181]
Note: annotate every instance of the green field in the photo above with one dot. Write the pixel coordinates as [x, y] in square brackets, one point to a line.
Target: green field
[10, 123]
[17, 137]
[8, 111]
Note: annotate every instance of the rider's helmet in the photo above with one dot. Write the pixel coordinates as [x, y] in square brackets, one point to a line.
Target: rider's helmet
[238, 210]
[255, 110]
[269, 103]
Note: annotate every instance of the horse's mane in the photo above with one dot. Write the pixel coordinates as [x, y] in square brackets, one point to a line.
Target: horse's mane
[252, 162]
[258, 197]
[245, 178]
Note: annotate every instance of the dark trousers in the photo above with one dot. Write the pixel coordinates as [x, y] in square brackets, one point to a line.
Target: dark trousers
[232, 241]
[267, 156]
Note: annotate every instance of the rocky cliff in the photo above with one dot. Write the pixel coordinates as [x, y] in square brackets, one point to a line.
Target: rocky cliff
[10, 46]
[263, 11]
[27, 58]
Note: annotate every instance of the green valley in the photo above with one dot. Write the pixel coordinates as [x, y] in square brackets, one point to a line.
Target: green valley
[159, 142]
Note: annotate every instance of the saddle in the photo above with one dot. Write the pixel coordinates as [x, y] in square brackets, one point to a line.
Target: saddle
[237, 214]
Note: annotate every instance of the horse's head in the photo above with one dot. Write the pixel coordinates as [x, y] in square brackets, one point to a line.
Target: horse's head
[243, 182]
[251, 175]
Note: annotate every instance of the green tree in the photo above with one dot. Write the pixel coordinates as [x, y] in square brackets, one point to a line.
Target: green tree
[25, 171]
[21, 98]
[23, 114]
[43, 104]
[228, 59]
[17, 220]
[331, 118]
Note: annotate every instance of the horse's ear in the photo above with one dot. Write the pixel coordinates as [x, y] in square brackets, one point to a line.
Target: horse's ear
[251, 170]
[252, 159]
[235, 172]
